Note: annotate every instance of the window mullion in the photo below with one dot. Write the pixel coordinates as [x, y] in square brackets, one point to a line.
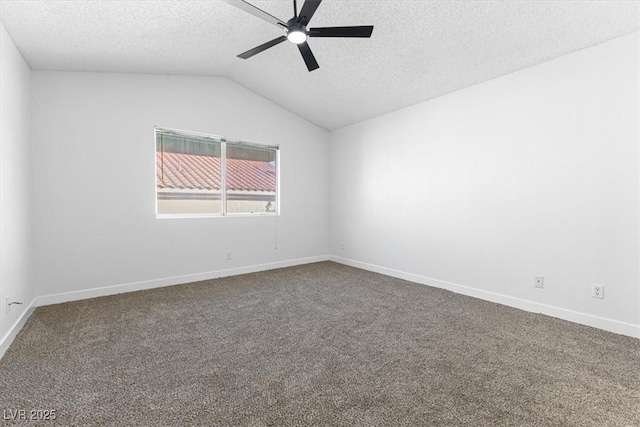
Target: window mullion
[223, 178]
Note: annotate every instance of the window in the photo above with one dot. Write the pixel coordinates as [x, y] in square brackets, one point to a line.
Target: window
[207, 175]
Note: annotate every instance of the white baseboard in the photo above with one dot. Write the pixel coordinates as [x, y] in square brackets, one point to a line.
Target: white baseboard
[610, 325]
[169, 281]
[8, 338]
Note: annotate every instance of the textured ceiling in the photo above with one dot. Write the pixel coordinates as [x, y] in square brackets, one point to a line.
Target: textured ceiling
[419, 49]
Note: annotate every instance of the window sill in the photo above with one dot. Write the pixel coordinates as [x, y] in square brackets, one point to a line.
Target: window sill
[202, 216]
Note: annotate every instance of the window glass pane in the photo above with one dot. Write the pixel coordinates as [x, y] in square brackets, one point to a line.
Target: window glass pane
[188, 178]
[251, 179]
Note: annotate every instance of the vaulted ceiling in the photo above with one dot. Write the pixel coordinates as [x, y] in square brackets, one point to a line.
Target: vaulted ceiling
[419, 49]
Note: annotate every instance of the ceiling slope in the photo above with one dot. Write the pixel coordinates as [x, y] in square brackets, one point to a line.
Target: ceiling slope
[419, 49]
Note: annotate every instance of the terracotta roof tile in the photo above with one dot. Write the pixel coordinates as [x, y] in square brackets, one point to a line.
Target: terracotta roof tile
[187, 171]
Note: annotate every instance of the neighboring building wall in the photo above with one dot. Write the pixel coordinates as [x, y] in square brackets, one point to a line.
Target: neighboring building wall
[181, 207]
[189, 207]
[16, 247]
[93, 138]
[534, 173]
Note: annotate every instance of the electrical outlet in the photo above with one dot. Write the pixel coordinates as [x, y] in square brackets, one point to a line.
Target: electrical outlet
[7, 305]
[228, 254]
[538, 281]
[597, 291]
[342, 246]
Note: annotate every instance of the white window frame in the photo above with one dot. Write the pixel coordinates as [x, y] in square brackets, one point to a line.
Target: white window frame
[223, 171]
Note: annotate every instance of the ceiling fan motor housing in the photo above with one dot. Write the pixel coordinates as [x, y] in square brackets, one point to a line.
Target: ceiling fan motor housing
[296, 32]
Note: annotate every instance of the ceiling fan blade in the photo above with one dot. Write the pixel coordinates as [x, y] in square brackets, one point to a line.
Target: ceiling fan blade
[308, 57]
[361, 31]
[249, 8]
[256, 50]
[308, 9]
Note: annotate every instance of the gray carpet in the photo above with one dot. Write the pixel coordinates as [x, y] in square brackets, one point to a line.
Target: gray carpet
[320, 344]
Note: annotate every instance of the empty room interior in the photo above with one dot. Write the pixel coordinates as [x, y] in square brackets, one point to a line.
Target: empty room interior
[286, 213]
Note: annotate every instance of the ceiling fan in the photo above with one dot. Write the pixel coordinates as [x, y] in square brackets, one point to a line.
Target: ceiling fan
[296, 31]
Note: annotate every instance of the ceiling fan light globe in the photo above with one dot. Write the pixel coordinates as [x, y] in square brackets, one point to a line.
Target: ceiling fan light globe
[297, 36]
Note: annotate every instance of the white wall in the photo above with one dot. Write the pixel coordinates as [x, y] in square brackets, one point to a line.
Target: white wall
[15, 185]
[534, 173]
[94, 163]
